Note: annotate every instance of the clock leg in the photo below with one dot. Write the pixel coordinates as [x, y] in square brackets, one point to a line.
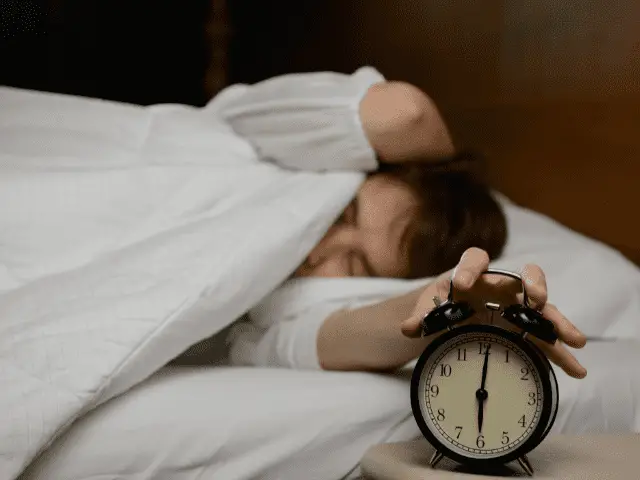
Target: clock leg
[435, 459]
[526, 465]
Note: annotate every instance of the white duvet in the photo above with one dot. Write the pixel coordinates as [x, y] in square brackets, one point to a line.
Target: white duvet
[126, 235]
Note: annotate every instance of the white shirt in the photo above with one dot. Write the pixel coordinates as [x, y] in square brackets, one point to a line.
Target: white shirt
[304, 121]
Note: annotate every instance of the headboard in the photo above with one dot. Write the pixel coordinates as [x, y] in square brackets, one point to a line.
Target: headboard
[548, 90]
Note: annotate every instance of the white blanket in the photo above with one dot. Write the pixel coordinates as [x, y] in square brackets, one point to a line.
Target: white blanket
[126, 235]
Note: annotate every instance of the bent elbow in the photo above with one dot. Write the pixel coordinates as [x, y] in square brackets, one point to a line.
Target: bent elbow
[413, 104]
[403, 122]
[405, 105]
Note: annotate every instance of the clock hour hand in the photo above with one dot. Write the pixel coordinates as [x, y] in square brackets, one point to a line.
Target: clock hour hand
[481, 393]
[480, 414]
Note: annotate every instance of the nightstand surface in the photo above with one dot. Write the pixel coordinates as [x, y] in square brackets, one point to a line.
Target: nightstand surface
[565, 457]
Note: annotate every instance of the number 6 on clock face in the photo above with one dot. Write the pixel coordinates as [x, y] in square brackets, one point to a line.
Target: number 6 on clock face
[480, 393]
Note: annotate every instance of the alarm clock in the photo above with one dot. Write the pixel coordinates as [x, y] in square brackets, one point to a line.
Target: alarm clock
[483, 395]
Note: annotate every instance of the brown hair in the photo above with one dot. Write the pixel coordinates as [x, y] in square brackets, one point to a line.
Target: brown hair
[456, 211]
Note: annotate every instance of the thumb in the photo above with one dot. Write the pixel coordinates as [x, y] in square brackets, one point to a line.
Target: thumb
[429, 298]
[412, 326]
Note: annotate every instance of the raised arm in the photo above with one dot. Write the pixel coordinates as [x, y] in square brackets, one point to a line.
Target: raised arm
[402, 123]
[304, 121]
[333, 121]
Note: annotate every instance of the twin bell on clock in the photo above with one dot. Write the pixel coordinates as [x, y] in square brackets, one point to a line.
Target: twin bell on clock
[484, 395]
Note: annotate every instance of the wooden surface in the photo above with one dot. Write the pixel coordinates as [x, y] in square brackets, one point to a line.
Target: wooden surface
[597, 457]
[549, 90]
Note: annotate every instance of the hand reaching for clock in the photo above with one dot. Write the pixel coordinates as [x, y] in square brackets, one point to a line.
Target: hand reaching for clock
[481, 393]
[473, 287]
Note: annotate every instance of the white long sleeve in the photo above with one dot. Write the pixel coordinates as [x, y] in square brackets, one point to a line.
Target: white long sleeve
[282, 330]
[290, 343]
[303, 121]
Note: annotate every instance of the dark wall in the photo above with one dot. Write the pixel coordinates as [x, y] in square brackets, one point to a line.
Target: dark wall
[138, 51]
[267, 36]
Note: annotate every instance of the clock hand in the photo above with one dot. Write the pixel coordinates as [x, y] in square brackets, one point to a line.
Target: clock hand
[481, 393]
[484, 367]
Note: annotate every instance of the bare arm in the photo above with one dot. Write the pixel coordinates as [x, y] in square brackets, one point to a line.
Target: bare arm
[385, 336]
[402, 123]
[370, 338]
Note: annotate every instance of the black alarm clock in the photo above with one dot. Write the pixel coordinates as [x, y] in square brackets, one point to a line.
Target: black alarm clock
[483, 395]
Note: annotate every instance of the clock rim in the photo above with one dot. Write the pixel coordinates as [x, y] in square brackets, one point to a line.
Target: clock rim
[538, 359]
[554, 389]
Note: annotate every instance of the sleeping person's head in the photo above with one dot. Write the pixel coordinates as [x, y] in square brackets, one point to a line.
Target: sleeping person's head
[411, 221]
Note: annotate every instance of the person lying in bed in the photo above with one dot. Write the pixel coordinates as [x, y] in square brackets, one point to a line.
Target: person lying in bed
[422, 210]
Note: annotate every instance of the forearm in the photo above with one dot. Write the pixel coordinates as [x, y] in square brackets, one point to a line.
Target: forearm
[370, 338]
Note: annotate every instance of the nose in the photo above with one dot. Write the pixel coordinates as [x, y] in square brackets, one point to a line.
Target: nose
[338, 239]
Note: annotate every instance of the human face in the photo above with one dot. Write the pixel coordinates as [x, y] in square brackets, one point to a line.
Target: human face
[370, 238]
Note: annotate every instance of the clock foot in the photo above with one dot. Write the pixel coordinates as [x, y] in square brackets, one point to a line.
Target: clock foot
[526, 465]
[435, 459]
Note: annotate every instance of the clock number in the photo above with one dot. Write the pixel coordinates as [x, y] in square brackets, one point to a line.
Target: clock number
[435, 390]
[480, 441]
[445, 370]
[483, 347]
[506, 358]
[532, 398]
[441, 416]
[522, 421]
[525, 373]
[505, 438]
[459, 430]
[462, 354]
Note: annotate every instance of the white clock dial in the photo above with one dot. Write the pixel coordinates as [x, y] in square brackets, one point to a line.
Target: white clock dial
[481, 421]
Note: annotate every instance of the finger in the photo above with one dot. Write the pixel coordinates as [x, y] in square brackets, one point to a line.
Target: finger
[472, 263]
[559, 355]
[412, 326]
[535, 284]
[567, 331]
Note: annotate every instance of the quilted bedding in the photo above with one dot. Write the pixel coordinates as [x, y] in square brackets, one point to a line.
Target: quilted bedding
[126, 235]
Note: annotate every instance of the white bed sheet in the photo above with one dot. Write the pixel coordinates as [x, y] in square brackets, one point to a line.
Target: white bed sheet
[281, 424]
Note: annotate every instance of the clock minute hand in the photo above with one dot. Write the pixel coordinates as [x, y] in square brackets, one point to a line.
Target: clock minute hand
[481, 393]
[484, 367]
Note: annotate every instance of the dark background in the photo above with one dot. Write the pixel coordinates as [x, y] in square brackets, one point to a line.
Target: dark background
[142, 51]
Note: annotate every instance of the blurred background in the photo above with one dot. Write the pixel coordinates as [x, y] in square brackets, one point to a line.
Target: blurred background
[548, 90]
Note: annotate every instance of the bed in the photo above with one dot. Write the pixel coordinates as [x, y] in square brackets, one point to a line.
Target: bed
[199, 418]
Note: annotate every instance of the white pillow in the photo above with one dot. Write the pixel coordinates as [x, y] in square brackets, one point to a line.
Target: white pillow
[231, 424]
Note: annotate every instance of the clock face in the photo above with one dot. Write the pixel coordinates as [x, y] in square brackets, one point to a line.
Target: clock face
[476, 418]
